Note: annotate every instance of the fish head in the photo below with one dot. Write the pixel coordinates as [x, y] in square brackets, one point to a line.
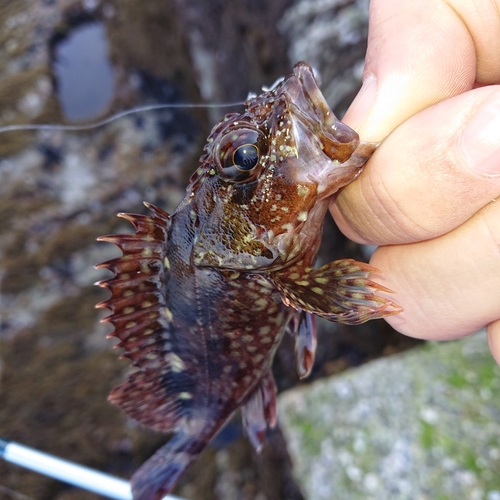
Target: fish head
[261, 193]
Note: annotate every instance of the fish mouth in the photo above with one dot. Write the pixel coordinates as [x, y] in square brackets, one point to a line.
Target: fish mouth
[338, 141]
[308, 103]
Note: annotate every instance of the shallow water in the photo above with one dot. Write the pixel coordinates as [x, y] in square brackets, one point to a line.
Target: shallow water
[84, 73]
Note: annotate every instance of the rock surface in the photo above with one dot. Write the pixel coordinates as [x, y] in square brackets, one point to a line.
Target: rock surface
[421, 425]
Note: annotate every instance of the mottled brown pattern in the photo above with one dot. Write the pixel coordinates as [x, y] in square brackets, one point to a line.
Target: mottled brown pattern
[201, 299]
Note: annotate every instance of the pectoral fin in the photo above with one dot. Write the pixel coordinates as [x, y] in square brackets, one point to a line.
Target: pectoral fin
[340, 291]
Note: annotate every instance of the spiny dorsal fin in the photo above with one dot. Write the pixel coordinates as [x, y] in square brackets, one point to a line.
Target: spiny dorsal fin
[138, 285]
[139, 315]
[340, 291]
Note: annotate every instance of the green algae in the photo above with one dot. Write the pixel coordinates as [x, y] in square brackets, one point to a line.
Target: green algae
[427, 421]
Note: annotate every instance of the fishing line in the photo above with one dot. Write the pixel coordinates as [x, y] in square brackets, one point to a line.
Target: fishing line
[117, 116]
[14, 493]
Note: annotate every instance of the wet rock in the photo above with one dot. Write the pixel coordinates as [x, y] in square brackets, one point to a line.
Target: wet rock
[420, 425]
[331, 35]
[235, 46]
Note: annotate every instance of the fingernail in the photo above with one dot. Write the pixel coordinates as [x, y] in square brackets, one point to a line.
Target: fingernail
[481, 139]
[362, 103]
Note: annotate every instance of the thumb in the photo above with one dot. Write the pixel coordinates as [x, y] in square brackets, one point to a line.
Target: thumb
[420, 53]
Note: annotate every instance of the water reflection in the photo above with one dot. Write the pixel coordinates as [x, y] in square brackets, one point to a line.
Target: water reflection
[83, 71]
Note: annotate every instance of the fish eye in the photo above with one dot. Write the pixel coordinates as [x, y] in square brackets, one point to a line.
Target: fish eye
[246, 157]
[238, 154]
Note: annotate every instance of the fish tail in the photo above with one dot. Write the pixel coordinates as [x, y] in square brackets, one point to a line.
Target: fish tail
[159, 474]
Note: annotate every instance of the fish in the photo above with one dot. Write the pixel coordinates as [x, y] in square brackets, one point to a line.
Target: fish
[200, 299]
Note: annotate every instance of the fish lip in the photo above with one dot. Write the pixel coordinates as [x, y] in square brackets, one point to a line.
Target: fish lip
[317, 127]
[312, 93]
[308, 103]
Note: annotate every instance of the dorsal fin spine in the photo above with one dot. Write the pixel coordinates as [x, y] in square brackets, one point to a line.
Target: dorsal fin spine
[136, 304]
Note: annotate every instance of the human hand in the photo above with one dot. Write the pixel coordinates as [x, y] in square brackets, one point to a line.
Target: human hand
[430, 195]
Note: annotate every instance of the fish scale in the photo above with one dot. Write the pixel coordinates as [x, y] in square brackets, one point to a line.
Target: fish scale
[201, 299]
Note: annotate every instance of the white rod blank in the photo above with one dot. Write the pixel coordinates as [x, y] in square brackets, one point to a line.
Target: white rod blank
[69, 472]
